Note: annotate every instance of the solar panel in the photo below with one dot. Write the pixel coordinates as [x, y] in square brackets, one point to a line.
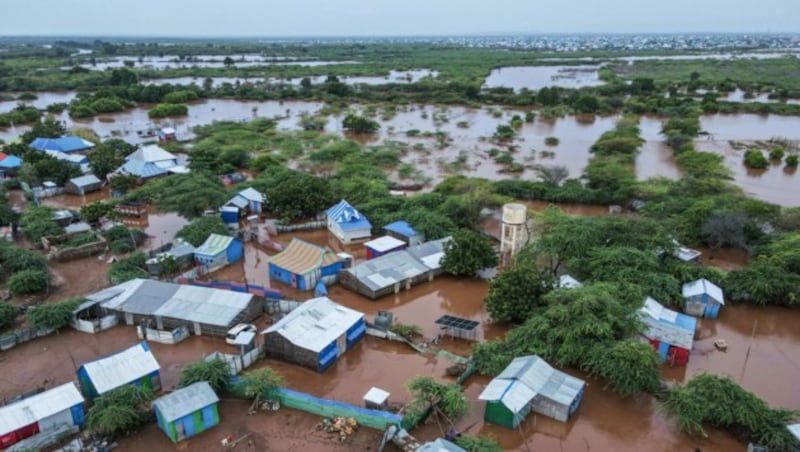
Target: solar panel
[456, 322]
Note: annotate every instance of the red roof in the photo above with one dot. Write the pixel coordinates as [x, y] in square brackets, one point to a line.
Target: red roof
[3, 156]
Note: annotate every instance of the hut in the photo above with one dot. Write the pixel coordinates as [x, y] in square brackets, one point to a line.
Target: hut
[166, 134]
[217, 251]
[702, 298]
[246, 202]
[383, 245]
[150, 161]
[66, 144]
[205, 311]
[568, 282]
[315, 333]
[394, 271]
[135, 365]
[302, 264]
[41, 419]
[82, 185]
[670, 333]
[187, 411]
[530, 384]
[403, 231]
[347, 224]
[9, 165]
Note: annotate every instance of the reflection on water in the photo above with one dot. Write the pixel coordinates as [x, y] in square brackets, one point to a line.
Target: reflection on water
[538, 77]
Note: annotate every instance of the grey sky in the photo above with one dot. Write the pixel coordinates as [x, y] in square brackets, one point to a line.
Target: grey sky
[399, 17]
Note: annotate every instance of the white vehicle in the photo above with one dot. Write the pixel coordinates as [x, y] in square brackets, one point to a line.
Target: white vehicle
[238, 329]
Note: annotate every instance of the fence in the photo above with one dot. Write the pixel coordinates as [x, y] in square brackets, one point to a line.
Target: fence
[62, 254]
[254, 289]
[309, 226]
[237, 363]
[161, 336]
[24, 335]
[376, 419]
[95, 326]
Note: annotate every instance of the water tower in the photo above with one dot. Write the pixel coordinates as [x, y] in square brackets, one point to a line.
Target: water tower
[513, 234]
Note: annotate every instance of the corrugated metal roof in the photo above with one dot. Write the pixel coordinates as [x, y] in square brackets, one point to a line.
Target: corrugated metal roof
[568, 282]
[702, 286]
[37, 407]
[402, 228]
[795, 430]
[191, 303]
[347, 216]
[238, 201]
[214, 245]
[10, 161]
[316, 323]
[83, 181]
[666, 325]
[385, 243]
[121, 368]
[76, 228]
[440, 445]
[63, 144]
[75, 159]
[301, 257]
[152, 153]
[251, 194]
[540, 379]
[183, 401]
[148, 161]
[386, 270]
[430, 253]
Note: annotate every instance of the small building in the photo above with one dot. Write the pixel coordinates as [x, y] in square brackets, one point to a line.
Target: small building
[187, 411]
[670, 333]
[347, 224]
[315, 333]
[217, 251]
[181, 251]
[303, 264]
[166, 134]
[376, 399]
[403, 231]
[82, 185]
[530, 384]
[9, 165]
[66, 144]
[247, 201]
[568, 282]
[204, 310]
[41, 419]
[383, 245]
[135, 365]
[150, 161]
[702, 298]
[395, 271]
[76, 159]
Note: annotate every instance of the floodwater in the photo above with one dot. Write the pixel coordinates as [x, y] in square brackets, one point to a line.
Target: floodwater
[538, 77]
[71, 201]
[43, 99]
[203, 61]
[409, 76]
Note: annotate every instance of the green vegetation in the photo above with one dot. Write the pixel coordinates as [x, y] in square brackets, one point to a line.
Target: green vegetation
[120, 411]
[754, 158]
[427, 392]
[407, 331]
[467, 253]
[187, 194]
[214, 371]
[360, 124]
[629, 366]
[22, 114]
[517, 292]
[96, 210]
[200, 228]
[122, 240]
[711, 401]
[260, 383]
[165, 110]
[29, 281]
[53, 315]
[14, 259]
[128, 268]
[551, 141]
[8, 314]
[478, 443]
[792, 160]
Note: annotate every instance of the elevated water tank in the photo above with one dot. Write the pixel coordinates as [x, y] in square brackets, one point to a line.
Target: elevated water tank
[514, 213]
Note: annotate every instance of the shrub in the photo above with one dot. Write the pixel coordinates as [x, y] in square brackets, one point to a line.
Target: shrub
[551, 141]
[791, 160]
[53, 315]
[8, 314]
[164, 110]
[753, 158]
[360, 124]
[28, 282]
[215, 372]
[776, 154]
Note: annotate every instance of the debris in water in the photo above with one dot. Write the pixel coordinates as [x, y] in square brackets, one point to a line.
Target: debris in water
[721, 344]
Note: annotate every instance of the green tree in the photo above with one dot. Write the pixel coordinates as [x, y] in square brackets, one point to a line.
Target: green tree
[8, 314]
[260, 383]
[467, 253]
[120, 411]
[360, 124]
[587, 103]
[201, 228]
[105, 159]
[427, 392]
[126, 269]
[37, 222]
[629, 366]
[28, 281]
[433, 225]
[517, 292]
[214, 371]
[478, 443]
[96, 210]
[299, 195]
[53, 315]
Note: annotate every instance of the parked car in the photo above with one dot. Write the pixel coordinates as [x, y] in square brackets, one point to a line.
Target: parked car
[238, 329]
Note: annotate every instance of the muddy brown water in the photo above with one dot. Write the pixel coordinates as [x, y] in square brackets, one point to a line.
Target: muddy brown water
[538, 77]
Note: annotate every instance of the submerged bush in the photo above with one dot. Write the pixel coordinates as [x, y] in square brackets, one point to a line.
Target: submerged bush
[754, 158]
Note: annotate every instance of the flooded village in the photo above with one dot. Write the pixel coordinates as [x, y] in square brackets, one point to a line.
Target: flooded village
[327, 269]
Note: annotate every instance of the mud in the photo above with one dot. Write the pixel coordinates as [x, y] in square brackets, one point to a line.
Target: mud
[79, 277]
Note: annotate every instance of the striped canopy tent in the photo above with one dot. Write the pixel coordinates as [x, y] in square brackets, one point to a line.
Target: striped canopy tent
[302, 264]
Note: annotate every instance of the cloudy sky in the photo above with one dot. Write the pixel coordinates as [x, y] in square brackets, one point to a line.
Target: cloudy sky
[390, 18]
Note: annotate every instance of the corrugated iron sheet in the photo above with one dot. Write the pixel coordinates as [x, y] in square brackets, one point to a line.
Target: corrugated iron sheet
[181, 402]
